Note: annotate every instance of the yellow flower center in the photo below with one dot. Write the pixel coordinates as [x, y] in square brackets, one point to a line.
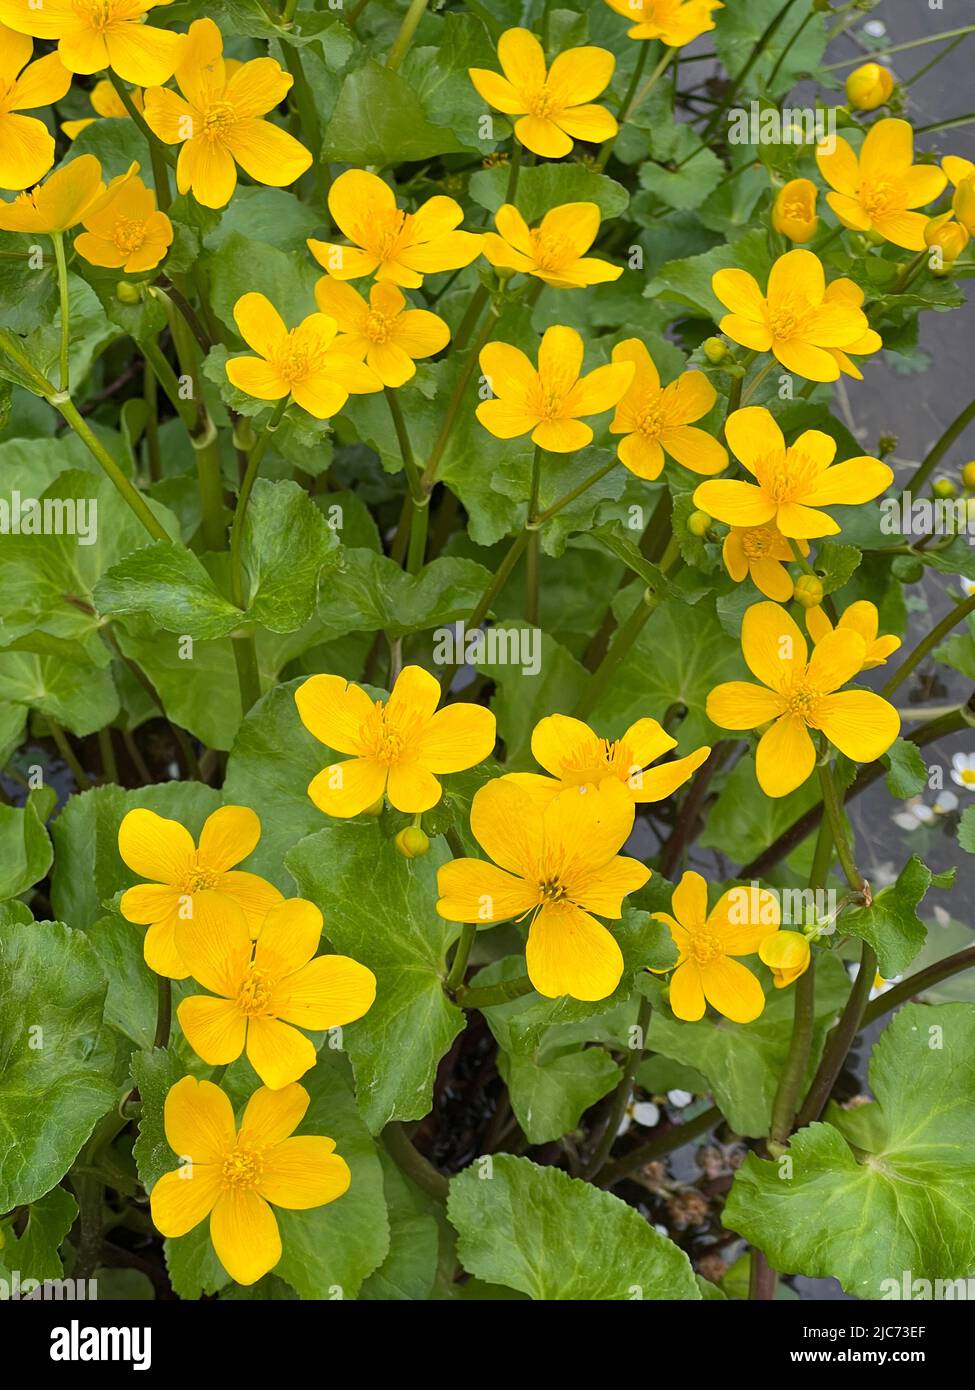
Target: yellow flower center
[650, 422]
[544, 104]
[786, 317]
[551, 252]
[968, 776]
[796, 208]
[758, 542]
[99, 14]
[389, 740]
[552, 405]
[388, 234]
[197, 880]
[705, 948]
[295, 360]
[129, 235]
[602, 758]
[219, 118]
[550, 890]
[786, 475]
[877, 196]
[254, 994]
[379, 326]
[242, 1168]
[802, 700]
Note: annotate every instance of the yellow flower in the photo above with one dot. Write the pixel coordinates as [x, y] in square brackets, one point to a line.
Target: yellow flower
[787, 955]
[961, 173]
[105, 102]
[555, 250]
[387, 333]
[673, 22]
[97, 34]
[573, 756]
[707, 942]
[797, 320]
[26, 147]
[790, 482]
[876, 191]
[794, 210]
[800, 694]
[656, 419]
[844, 291]
[302, 362]
[183, 875]
[399, 747]
[124, 229]
[219, 120]
[58, 204]
[951, 236]
[559, 861]
[869, 86]
[547, 403]
[398, 246]
[232, 1175]
[861, 617]
[553, 103]
[761, 552]
[264, 987]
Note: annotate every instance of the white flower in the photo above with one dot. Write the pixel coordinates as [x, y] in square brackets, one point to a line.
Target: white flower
[916, 812]
[967, 586]
[639, 1112]
[679, 1099]
[963, 767]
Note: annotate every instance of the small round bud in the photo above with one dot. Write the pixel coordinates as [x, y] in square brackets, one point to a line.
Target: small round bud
[698, 523]
[412, 842]
[968, 474]
[907, 568]
[715, 350]
[869, 86]
[944, 487]
[127, 293]
[809, 591]
[886, 444]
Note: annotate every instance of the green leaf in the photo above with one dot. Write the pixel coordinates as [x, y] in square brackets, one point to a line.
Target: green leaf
[81, 698]
[55, 1078]
[366, 592]
[438, 74]
[25, 849]
[835, 564]
[688, 171]
[744, 821]
[966, 830]
[287, 278]
[551, 1089]
[553, 1237]
[891, 924]
[547, 186]
[905, 1205]
[154, 1071]
[34, 1253]
[793, 49]
[389, 924]
[689, 280]
[409, 1270]
[379, 120]
[908, 775]
[523, 697]
[743, 1061]
[169, 584]
[287, 542]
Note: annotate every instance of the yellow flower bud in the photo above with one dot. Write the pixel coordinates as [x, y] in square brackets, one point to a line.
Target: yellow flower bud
[809, 591]
[950, 235]
[944, 487]
[412, 843]
[968, 475]
[715, 350]
[869, 86]
[794, 211]
[698, 523]
[787, 955]
[127, 293]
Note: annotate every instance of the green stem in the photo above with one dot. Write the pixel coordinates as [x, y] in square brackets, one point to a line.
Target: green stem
[164, 1011]
[243, 498]
[952, 124]
[659, 1147]
[68, 755]
[412, 1163]
[939, 449]
[570, 497]
[834, 814]
[404, 38]
[157, 150]
[418, 517]
[897, 48]
[106, 751]
[167, 379]
[917, 983]
[458, 967]
[787, 49]
[533, 557]
[840, 1041]
[960, 611]
[59, 256]
[150, 394]
[754, 384]
[514, 169]
[634, 99]
[797, 1062]
[130, 494]
[454, 404]
[621, 1097]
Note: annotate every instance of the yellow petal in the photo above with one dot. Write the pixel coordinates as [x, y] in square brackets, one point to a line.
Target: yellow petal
[743, 918]
[272, 1116]
[786, 756]
[497, 91]
[40, 84]
[257, 378]
[695, 449]
[562, 436]
[342, 303]
[252, 894]
[412, 788]
[141, 53]
[229, 835]
[739, 292]
[753, 435]
[569, 952]
[182, 1199]
[802, 523]
[599, 390]
[155, 847]
[686, 993]
[641, 456]
[327, 993]
[741, 705]
[888, 149]
[859, 723]
[457, 737]
[733, 990]
[334, 711]
[594, 124]
[844, 484]
[771, 578]
[797, 273]
[839, 166]
[507, 824]
[159, 949]
[259, 323]
[199, 1121]
[257, 87]
[542, 136]
[559, 739]
[148, 902]
[277, 1052]
[836, 659]
[414, 698]
[772, 644]
[290, 936]
[214, 1028]
[690, 900]
[584, 827]
[656, 783]
[245, 1235]
[348, 788]
[471, 890]
[734, 502]
[267, 153]
[504, 419]
[576, 226]
[580, 74]
[214, 942]
[522, 59]
[303, 1173]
